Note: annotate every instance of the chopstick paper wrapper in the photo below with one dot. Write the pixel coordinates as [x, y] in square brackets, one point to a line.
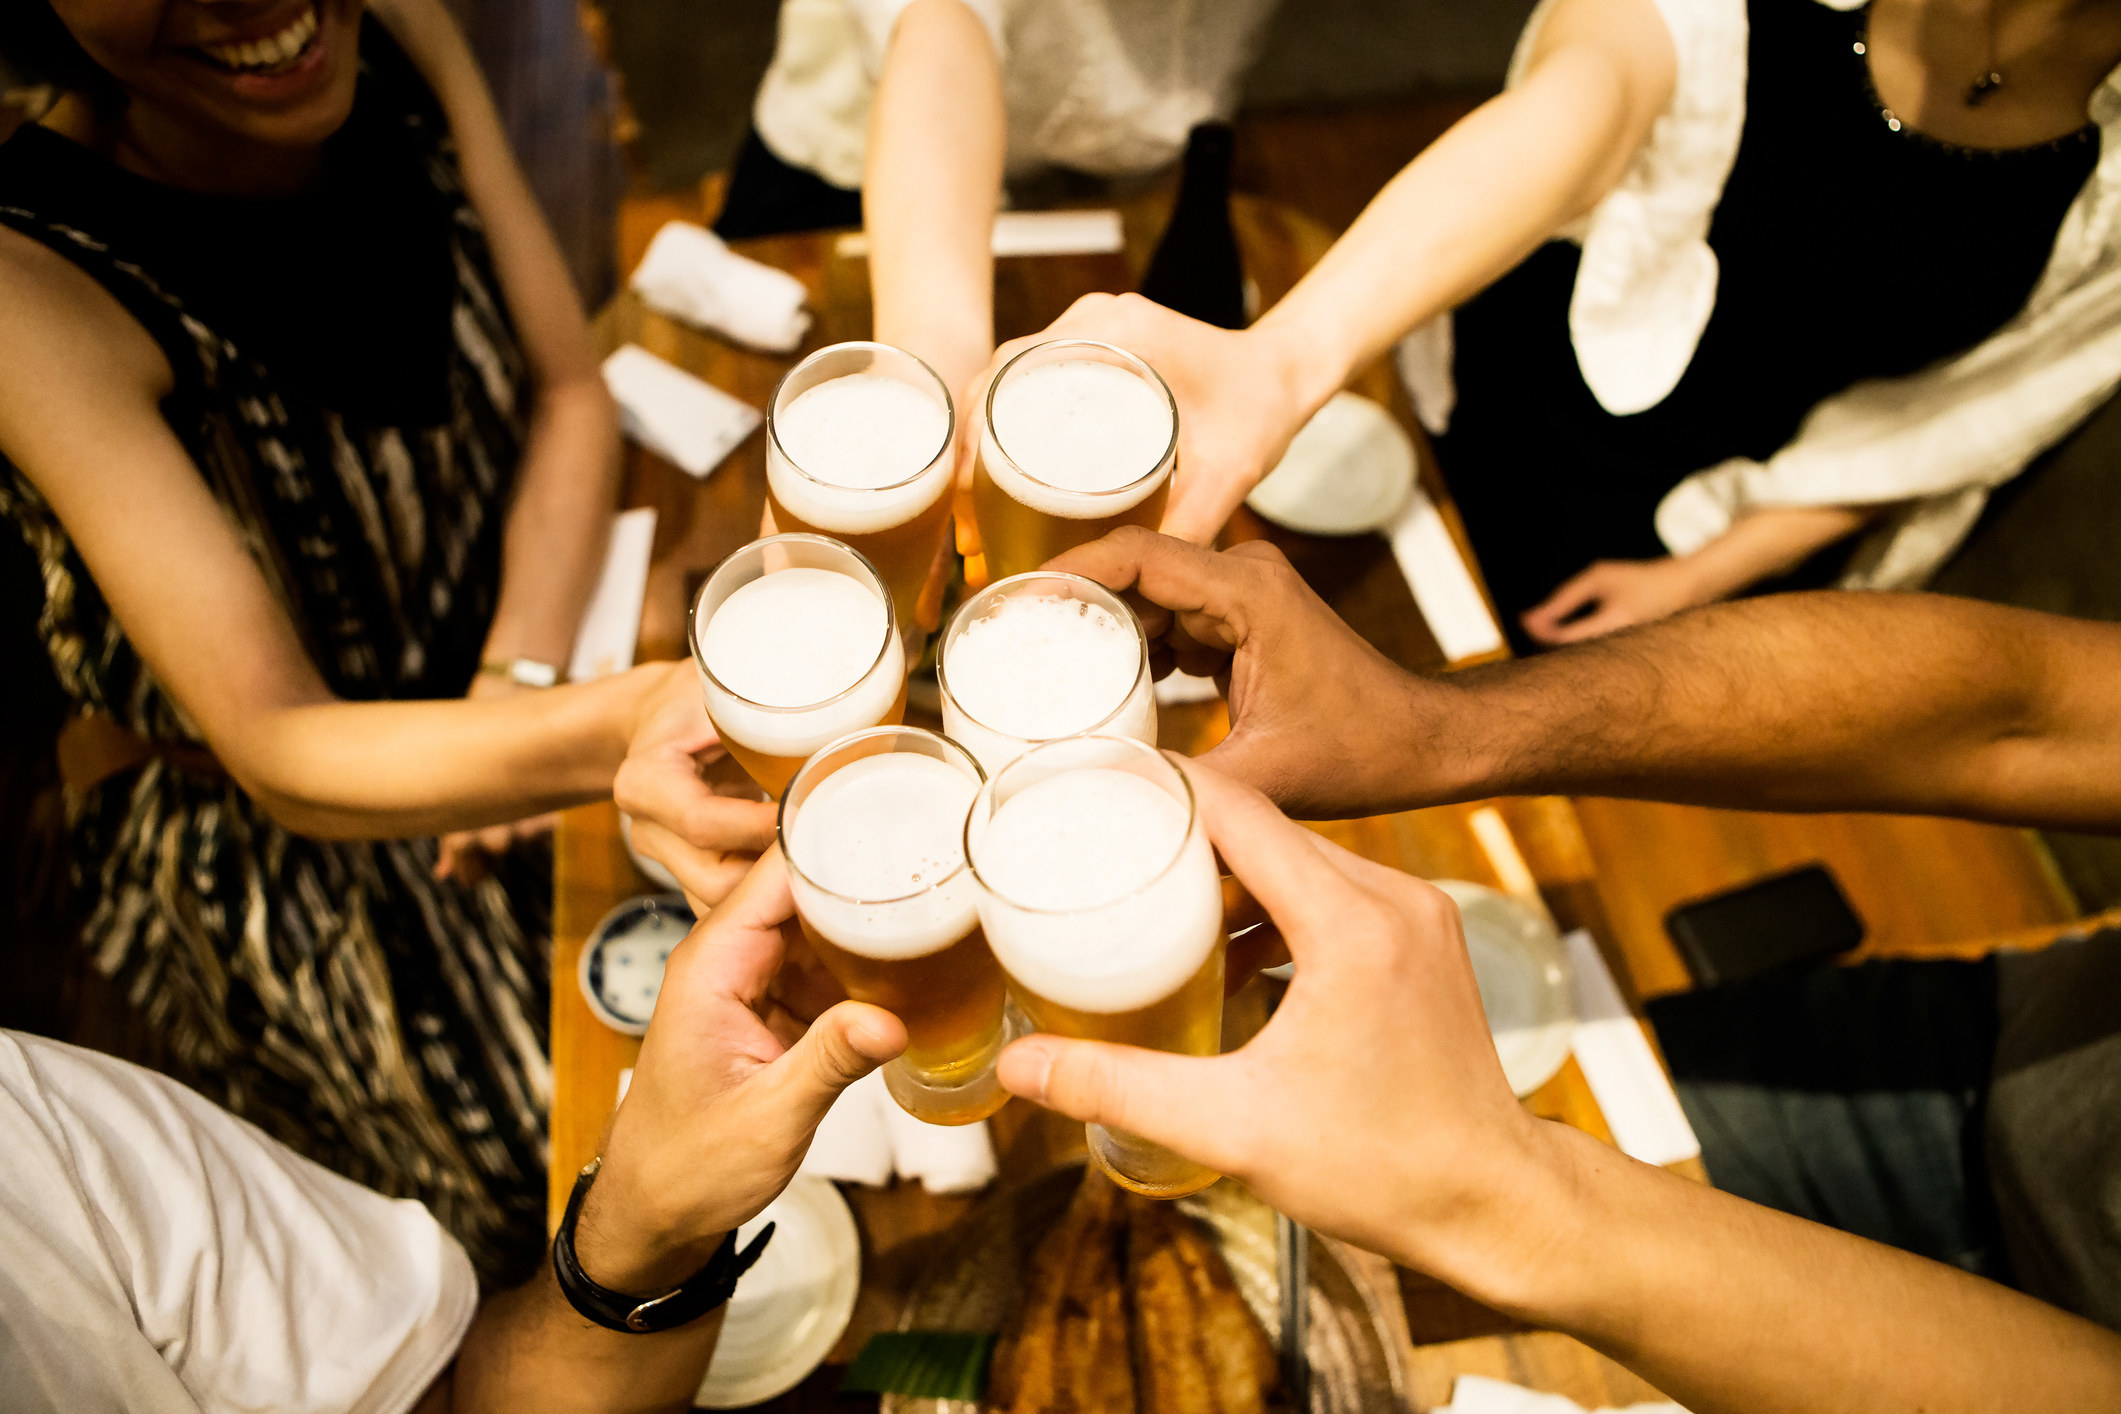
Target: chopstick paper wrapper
[1095, 232]
[611, 627]
[1476, 1394]
[1443, 586]
[1631, 1088]
[686, 421]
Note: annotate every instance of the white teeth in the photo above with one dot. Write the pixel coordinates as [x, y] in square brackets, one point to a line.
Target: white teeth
[270, 52]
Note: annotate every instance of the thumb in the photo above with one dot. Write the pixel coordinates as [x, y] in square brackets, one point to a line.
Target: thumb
[1176, 1101]
[842, 1046]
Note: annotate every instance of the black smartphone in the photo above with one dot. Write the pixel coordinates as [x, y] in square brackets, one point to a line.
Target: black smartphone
[1764, 926]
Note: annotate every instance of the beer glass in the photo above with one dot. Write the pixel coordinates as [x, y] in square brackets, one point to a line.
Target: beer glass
[1077, 437]
[858, 447]
[1043, 655]
[873, 830]
[796, 643]
[1099, 896]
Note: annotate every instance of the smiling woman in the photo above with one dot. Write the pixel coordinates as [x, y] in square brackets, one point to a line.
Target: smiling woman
[300, 421]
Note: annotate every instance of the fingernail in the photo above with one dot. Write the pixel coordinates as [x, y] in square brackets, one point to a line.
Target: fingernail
[871, 1042]
[1038, 1061]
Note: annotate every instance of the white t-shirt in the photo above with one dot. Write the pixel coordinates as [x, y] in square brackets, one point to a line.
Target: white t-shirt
[160, 1256]
[1109, 87]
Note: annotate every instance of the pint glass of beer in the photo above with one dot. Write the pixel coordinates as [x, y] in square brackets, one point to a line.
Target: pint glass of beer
[796, 644]
[1043, 655]
[1099, 896]
[1077, 437]
[873, 828]
[858, 442]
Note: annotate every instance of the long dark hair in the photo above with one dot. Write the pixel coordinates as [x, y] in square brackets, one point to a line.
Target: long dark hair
[34, 40]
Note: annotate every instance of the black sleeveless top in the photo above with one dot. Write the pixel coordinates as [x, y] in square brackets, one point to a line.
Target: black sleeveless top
[1846, 250]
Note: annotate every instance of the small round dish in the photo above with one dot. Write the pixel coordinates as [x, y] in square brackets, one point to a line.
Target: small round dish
[790, 1309]
[1524, 982]
[1349, 470]
[621, 970]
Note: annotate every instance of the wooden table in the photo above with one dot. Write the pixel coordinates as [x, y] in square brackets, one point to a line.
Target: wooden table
[699, 523]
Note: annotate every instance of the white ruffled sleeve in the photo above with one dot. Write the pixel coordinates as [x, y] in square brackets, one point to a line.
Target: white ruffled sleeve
[1935, 442]
[1647, 280]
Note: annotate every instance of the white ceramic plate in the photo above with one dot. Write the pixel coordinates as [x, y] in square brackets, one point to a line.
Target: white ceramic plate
[1348, 471]
[790, 1309]
[1524, 982]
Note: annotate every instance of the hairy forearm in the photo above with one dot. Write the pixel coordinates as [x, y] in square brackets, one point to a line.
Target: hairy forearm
[1796, 702]
[1728, 1306]
[528, 1349]
[559, 525]
[1478, 200]
[378, 770]
[937, 133]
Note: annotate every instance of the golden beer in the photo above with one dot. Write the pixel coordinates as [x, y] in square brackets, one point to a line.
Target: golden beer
[1099, 897]
[873, 832]
[796, 643]
[858, 447]
[1077, 438]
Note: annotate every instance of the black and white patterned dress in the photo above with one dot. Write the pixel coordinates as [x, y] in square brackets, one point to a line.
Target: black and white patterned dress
[350, 386]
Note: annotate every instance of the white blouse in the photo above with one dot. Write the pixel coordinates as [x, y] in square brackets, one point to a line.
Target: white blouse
[1109, 87]
[1932, 443]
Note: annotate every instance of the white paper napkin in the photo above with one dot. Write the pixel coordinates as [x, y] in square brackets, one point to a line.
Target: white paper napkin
[1476, 1394]
[1443, 586]
[1177, 688]
[689, 274]
[675, 415]
[866, 1137]
[1631, 1088]
[611, 627]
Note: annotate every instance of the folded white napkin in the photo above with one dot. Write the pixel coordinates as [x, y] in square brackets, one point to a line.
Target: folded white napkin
[1631, 1088]
[866, 1137]
[675, 415]
[689, 274]
[1443, 586]
[611, 626]
[1476, 1394]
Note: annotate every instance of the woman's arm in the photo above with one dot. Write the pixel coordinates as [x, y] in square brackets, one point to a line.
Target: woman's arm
[1614, 594]
[937, 132]
[1479, 199]
[559, 524]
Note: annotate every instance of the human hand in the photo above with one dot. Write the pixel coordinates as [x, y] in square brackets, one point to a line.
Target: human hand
[1315, 712]
[1372, 1106]
[1237, 401]
[1614, 594]
[693, 810]
[726, 1095]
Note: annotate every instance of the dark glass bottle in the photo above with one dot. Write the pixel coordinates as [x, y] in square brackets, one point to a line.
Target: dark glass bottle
[1196, 269]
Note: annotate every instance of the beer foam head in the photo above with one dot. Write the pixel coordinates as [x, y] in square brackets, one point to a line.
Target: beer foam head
[857, 440]
[878, 849]
[1098, 895]
[1081, 428]
[799, 638]
[1035, 666]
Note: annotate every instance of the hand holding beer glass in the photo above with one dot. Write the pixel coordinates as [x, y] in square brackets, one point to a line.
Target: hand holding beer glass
[1077, 437]
[1099, 896]
[1043, 655]
[858, 444]
[796, 643]
[873, 830]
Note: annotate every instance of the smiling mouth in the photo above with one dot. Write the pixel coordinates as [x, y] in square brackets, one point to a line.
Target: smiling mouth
[274, 54]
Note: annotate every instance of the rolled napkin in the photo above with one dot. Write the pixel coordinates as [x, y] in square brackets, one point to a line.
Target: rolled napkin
[675, 415]
[1476, 1394]
[689, 274]
[866, 1137]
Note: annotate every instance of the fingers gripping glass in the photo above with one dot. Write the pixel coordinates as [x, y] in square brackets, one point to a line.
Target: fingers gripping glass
[1100, 899]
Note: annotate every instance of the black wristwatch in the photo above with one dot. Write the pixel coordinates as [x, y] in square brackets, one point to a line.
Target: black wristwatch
[708, 1288]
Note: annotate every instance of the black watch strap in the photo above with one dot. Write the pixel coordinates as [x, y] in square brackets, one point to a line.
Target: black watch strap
[708, 1288]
